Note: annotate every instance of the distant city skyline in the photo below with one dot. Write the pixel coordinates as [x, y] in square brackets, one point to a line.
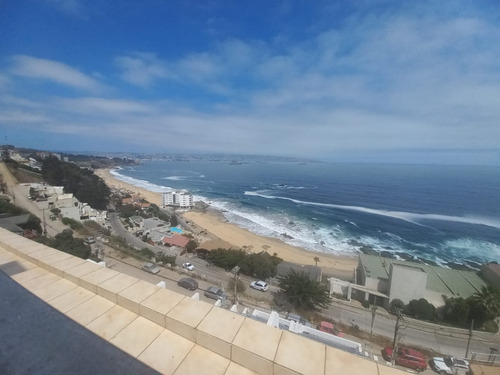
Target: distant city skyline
[362, 81]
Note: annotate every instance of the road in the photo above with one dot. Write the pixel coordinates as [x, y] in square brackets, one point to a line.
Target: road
[19, 194]
[440, 339]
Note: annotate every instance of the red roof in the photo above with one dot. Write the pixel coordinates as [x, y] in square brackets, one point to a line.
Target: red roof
[176, 240]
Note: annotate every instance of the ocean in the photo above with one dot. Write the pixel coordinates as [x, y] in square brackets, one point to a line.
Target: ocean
[445, 215]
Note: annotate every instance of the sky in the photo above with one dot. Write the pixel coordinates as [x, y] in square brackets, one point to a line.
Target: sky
[347, 81]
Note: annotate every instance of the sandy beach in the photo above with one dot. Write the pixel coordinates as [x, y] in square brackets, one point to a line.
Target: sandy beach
[214, 223]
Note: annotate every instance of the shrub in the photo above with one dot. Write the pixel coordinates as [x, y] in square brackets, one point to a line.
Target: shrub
[365, 303]
[147, 253]
[490, 326]
[396, 304]
[166, 259]
[421, 309]
[73, 224]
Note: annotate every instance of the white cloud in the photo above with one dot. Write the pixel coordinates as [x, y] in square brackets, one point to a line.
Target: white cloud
[32, 67]
[71, 7]
[103, 106]
[142, 69]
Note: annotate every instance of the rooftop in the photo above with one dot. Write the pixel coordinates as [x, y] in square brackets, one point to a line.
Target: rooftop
[443, 280]
[130, 326]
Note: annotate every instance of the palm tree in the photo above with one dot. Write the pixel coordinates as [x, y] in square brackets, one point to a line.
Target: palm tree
[485, 304]
[316, 259]
[304, 293]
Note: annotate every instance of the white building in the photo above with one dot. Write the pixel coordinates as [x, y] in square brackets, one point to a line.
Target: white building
[181, 199]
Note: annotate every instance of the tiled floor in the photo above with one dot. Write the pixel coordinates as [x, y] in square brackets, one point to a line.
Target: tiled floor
[157, 347]
[162, 329]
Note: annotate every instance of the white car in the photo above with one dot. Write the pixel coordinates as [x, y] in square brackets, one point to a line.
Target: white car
[188, 266]
[259, 285]
[446, 365]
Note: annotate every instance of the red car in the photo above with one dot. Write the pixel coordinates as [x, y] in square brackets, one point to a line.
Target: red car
[407, 357]
[329, 328]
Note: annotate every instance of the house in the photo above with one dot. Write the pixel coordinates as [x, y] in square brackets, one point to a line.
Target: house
[153, 222]
[175, 240]
[380, 280]
[491, 272]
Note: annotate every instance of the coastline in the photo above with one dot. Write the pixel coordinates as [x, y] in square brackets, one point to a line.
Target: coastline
[213, 222]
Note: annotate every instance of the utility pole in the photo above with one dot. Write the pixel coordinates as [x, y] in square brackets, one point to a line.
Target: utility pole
[374, 309]
[44, 224]
[235, 270]
[470, 337]
[395, 341]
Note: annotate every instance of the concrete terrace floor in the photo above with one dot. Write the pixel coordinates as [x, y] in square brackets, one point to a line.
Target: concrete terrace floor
[63, 315]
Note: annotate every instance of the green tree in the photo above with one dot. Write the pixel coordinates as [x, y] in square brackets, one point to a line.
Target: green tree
[396, 304]
[83, 183]
[304, 293]
[485, 304]
[173, 221]
[421, 309]
[191, 245]
[64, 241]
[259, 265]
[456, 311]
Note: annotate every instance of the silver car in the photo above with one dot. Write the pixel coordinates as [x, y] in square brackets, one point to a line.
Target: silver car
[215, 293]
[151, 268]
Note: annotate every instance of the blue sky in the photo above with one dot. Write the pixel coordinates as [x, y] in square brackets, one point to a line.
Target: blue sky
[360, 80]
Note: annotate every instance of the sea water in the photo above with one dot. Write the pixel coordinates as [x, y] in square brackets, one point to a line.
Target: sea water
[441, 214]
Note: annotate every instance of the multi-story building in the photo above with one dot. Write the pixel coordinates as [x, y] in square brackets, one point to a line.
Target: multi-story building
[177, 198]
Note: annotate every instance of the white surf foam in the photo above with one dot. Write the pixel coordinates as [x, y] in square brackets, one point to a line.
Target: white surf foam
[139, 183]
[406, 216]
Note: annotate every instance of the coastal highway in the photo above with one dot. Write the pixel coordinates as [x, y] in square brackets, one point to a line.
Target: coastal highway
[438, 338]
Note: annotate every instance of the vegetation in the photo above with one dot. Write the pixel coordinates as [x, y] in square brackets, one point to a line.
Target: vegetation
[421, 309]
[147, 253]
[482, 307]
[258, 265]
[302, 292]
[83, 183]
[173, 221]
[165, 259]
[73, 224]
[65, 241]
[240, 285]
[395, 305]
[8, 209]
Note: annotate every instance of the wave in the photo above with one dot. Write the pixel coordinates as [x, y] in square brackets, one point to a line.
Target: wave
[139, 183]
[411, 217]
[175, 178]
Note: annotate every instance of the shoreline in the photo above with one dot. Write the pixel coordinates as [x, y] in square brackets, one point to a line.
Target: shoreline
[222, 232]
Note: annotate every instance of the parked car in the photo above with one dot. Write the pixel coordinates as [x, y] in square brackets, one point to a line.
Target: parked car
[330, 328]
[89, 240]
[447, 365]
[215, 293]
[188, 266]
[259, 285]
[151, 268]
[188, 283]
[406, 357]
[297, 318]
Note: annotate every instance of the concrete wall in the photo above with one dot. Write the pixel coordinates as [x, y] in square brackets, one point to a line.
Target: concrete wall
[406, 283]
